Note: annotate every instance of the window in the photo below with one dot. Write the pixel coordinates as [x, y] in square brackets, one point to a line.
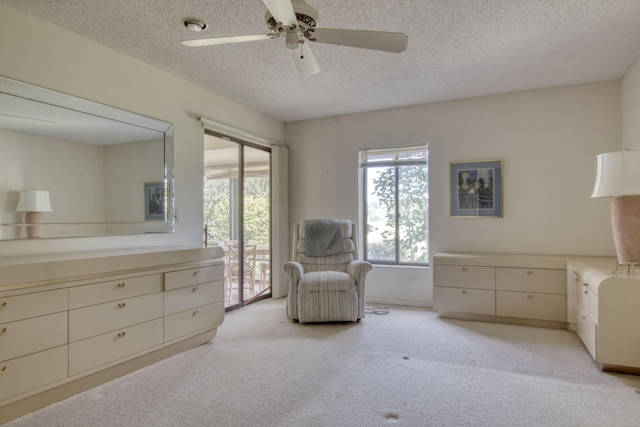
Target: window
[396, 205]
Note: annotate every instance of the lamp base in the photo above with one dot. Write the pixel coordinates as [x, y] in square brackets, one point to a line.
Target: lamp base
[628, 269]
[625, 220]
[33, 220]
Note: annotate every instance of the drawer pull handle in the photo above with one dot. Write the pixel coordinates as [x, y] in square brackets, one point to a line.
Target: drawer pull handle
[195, 313]
[121, 334]
[530, 272]
[586, 292]
[3, 370]
[121, 285]
[529, 296]
[464, 269]
[464, 291]
[122, 305]
[3, 304]
[196, 289]
[3, 331]
[196, 273]
[585, 284]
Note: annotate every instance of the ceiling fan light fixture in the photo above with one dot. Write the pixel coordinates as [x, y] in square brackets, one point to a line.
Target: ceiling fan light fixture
[292, 40]
[195, 24]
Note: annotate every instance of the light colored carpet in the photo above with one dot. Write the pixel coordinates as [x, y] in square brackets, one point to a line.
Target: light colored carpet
[408, 367]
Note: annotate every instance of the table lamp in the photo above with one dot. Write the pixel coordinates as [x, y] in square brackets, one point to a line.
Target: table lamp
[33, 202]
[618, 176]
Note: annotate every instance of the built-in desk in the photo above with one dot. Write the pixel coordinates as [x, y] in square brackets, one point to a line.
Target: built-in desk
[69, 322]
[607, 314]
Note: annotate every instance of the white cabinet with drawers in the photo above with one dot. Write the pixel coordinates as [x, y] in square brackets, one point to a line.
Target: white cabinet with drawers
[606, 315]
[101, 328]
[531, 293]
[465, 289]
[193, 300]
[494, 287]
[33, 341]
[69, 323]
[114, 345]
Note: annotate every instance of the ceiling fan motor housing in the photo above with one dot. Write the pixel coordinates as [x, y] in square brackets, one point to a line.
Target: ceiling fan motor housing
[306, 16]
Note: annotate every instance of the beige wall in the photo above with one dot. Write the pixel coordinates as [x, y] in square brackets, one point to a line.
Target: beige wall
[548, 140]
[46, 55]
[631, 108]
[27, 161]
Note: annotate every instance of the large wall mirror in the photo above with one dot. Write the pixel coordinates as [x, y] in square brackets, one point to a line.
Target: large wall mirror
[72, 167]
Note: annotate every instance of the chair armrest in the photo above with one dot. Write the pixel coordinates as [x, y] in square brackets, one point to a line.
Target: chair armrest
[293, 271]
[359, 269]
[293, 267]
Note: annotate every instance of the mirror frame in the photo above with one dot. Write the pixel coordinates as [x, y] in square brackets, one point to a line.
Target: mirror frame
[97, 111]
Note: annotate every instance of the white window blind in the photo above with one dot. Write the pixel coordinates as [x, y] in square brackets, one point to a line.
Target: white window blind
[394, 157]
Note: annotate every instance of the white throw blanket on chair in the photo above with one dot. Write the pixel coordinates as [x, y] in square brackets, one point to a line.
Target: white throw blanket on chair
[323, 236]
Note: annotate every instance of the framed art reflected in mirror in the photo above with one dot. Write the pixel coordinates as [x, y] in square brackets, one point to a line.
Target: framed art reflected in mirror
[154, 201]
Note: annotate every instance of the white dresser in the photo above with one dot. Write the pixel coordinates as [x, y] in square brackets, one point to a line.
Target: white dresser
[521, 289]
[607, 312]
[69, 322]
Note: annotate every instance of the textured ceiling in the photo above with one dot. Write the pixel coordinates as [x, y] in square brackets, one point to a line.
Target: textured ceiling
[457, 48]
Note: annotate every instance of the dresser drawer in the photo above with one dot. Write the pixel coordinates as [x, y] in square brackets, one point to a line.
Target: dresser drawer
[193, 296]
[32, 335]
[97, 319]
[465, 276]
[193, 276]
[30, 372]
[587, 331]
[112, 290]
[532, 280]
[32, 305]
[531, 306]
[588, 301]
[109, 347]
[190, 321]
[459, 300]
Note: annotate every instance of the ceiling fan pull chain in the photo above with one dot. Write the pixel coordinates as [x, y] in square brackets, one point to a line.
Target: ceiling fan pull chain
[301, 53]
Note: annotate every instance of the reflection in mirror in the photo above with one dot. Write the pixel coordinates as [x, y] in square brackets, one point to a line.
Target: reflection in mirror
[103, 171]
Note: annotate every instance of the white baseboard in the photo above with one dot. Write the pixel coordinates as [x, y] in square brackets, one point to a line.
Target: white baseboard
[411, 303]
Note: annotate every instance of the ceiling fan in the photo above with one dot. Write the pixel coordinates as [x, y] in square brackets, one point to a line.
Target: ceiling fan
[297, 22]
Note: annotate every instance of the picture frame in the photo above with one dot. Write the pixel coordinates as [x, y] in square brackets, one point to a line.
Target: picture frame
[154, 201]
[476, 188]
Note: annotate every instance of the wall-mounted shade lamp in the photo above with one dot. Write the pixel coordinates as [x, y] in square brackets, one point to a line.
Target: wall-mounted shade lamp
[618, 176]
[33, 202]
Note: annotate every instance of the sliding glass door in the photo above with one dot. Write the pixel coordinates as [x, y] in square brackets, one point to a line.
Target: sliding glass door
[237, 206]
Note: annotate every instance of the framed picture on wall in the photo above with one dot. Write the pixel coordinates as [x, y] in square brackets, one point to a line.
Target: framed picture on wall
[154, 201]
[476, 188]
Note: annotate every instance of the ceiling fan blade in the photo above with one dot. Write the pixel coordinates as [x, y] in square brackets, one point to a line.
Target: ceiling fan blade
[226, 40]
[304, 61]
[376, 40]
[282, 11]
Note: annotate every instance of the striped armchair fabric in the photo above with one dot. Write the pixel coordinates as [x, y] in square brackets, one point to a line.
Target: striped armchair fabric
[326, 288]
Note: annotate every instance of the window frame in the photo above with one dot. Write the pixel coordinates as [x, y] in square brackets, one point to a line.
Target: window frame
[364, 165]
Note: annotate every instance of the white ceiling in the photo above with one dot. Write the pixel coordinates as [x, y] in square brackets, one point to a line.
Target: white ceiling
[457, 48]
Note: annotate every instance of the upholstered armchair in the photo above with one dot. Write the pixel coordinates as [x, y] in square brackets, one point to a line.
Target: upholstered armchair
[326, 279]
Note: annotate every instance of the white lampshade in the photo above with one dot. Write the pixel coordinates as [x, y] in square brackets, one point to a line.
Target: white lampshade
[618, 174]
[34, 201]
